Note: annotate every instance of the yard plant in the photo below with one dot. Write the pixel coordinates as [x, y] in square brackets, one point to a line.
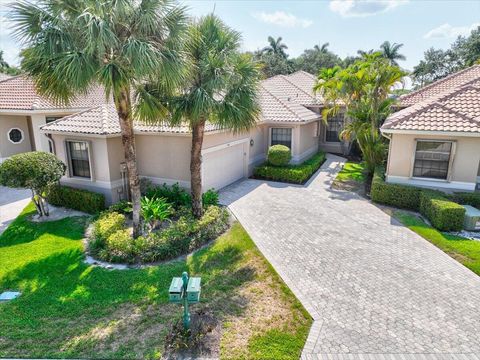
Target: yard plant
[72, 46]
[79, 199]
[70, 309]
[219, 89]
[362, 91]
[33, 170]
[296, 174]
[279, 155]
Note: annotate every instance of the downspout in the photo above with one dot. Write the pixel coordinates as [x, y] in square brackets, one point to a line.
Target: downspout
[52, 143]
[389, 137]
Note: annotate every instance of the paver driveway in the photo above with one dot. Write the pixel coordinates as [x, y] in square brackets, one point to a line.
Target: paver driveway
[371, 285]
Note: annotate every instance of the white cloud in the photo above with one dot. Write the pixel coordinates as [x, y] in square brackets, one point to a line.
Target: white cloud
[447, 31]
[282, 18]
[362, 8]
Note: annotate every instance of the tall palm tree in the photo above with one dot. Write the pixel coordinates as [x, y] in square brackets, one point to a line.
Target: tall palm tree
[275, 47]
[220, 89]
[72, 45]
[391, 52]
[323, 48]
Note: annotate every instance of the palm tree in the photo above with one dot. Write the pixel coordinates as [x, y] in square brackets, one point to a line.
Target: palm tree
[73, 45]
[275, 47]
[323, 48]
[220, 89]
[362, 91]
[391, 52]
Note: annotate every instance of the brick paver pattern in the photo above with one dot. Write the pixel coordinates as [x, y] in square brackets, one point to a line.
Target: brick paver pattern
[375, 289]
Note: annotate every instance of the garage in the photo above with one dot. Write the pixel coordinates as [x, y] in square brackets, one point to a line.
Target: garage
[224, 164]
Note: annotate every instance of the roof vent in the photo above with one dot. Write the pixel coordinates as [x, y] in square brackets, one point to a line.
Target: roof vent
[288, 99]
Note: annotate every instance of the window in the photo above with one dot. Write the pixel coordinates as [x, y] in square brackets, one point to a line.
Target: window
[49, 119]
[432, 159]
[334, 126]
[15, 136]
[78, 159]
[282, 136]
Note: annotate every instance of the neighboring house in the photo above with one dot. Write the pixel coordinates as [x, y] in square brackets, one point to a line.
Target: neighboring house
[435, 139]
[86, 136]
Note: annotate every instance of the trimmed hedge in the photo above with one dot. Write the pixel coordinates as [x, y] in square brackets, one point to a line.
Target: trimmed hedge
[467, 198]
[77, 199]
[444, 214]
[183, 236]
[401, 196]
[296, 174]
[279, 155]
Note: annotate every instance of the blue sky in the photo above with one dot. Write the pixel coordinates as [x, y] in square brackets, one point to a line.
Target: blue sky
[348, 25]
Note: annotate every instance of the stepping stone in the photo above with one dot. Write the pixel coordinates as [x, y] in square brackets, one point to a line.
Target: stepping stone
[9, 295]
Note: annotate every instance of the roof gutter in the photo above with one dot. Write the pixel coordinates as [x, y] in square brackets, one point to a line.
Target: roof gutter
[435, 133]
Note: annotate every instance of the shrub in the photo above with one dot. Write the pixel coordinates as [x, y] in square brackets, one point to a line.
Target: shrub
[34, 170]
[279, 155]
[179, 197]
[174, 194]
[401, 196]
[122, 207]
[103, 227]
[181, 237]
[120, 247]
[155, 210]
[467, 198]
[78, 199]
[297, 174]
[444, 214]
[210, 197]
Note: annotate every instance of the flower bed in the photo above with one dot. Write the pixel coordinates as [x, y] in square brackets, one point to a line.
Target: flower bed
[111, 240]
[295, 174]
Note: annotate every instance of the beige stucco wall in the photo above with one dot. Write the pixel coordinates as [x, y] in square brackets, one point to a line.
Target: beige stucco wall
[308, 140]
[464, 166]
[7, 148]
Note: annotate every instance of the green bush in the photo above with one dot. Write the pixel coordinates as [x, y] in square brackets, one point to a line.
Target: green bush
[155, 210]
[180, 197]
[444, 214]
[119, 247]
[297, 174]
[78, 199]
[183, 236]
[122, 207]
[401, 196]
[107, 224]
[467, 198]
[210, 197]
[279, 155]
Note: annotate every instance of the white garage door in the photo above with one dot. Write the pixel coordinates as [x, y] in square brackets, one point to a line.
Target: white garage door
[223, 167]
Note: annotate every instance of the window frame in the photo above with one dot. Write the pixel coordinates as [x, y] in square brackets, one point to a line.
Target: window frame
[450, 160]
[339, 129]
[283, 128]
[69, 159]
[21, 132]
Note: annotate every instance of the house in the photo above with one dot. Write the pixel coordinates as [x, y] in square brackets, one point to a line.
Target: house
[435, 138]
[86, 136]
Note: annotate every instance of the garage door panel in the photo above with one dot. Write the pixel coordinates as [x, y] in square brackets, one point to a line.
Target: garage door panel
[223, 167]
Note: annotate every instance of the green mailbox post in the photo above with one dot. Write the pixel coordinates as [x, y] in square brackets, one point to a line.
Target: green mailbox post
[185, 290]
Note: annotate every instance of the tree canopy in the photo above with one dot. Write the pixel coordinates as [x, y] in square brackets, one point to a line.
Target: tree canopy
[437, 63]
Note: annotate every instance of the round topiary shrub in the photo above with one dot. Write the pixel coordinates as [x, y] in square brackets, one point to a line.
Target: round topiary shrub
[279, 155]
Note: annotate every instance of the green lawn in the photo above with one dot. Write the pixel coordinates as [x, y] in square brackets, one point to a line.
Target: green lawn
[70, 309]
[463, 250]
[352, 171]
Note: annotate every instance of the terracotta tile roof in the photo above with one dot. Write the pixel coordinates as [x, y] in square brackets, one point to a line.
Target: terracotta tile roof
[456, 110]
[283, 98]
[19, 93]
[103, 120]
[438, 87]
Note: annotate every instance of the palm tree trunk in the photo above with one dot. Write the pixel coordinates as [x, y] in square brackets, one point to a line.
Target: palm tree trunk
[196, 168]
[124, 111]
